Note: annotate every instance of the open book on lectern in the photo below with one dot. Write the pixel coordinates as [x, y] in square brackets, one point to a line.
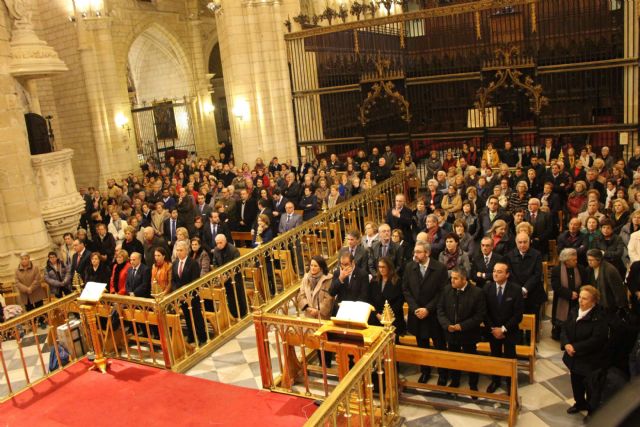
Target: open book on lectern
[353, 313]
[92, 292]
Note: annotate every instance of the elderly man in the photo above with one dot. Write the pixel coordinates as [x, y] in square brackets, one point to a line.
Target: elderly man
[138, 281]
[384, 247]
[572, 238]
[224, 253]
[150, 243]
[542, 226]
[349, 283]
[401, 217]
[422, 285]
[566, 280]
[185, 270]
[29, 283]
[359, 252]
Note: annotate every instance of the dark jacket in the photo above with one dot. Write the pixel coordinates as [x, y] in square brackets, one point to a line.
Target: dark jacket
[424, 292]
[210, 236]
[613, 249]
[566, 240]
[565, 293]
[527, 272]
[375, 253]
[354, 288]
[309, 205]
[478, 266]
[613, 294]
[507, 314]
[140, 283]
[393, 294]
[542, 230]
[190, 273]
[166, 230]
[588, 337]
[465, 307]
[149, 249]
[105, 246]
[403, 222]
[101, 275]
[78, 265]
[250, 213]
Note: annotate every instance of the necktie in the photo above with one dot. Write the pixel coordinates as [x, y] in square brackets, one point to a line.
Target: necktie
[423, 269]
[456, 305]
[242, 211]
[492, 216]
[499, 294]
[384, 252]
[288, 218]
[533, 217]
[135, 270]
[486, 261]
[180, 266]
[173, 230]
[353, 252]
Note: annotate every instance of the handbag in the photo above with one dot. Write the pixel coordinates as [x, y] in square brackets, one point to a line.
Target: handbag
[53, 359]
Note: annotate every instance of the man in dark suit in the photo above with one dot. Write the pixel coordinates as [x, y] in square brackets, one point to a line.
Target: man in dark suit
[288, 221]
[104, 244]
[79, 263]
[138, 277]
[246, 211]
[503, 316]
[526, 271]
[212, 228]
[482, 263]
[186, 210]
[573, 238]
[263, 209]
[170, 226]
[202, 208]
[384, 247]
[349, 283]
[359, 252]
[423, 281]
[401, 217]
[184, 271]
[542, 226]
[277, 209]
[461, 310]
[150, 243]
[561, 181]
[224, 253]
[490, 214]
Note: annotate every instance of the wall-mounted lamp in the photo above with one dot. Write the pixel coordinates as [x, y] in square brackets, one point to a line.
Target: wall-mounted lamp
[214, 5]
[122, 121]
[208, 108]
[86, 9]
[241, 109]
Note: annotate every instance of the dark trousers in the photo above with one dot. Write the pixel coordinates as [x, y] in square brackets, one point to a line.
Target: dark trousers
[231, 298]
[198, 320]
[579, 389]
[439, 344]
[469, 348]
[502, 348]
[32, 306]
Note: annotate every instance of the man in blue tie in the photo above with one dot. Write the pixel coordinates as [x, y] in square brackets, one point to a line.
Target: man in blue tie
[138, 282]
[171, 224]
[504, 314]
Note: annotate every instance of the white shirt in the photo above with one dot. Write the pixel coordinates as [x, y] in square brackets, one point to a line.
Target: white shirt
[581, 313]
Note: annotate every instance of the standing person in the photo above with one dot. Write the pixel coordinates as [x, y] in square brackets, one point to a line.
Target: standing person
[138, 282]
[461, 310]
[55, 272]
[359, 252]
[29, 283]
[117, 283]
[200, 255]
[482, 264]
[97, 271]
[384, 246]
[184, 271]
[224, 253]
[422, 284]
[400, 216]
[505, 307]
[349, 283]
[186, 208]
[161, 272]
[314, 300]
[387, 287]
[584, 338]
[566, 280]
[79, 262]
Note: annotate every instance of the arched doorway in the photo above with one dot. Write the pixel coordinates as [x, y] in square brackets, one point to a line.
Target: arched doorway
[160, 91]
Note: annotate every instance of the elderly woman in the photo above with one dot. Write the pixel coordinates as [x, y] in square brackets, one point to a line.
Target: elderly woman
[452, 256]
[29, 283]
[313, 299]
[433, 198]
[577, 198]
[502, 243]
[584, 339]
[96, 271]
[519, 199]
[182, 235]
[451, 203]
[131, 244]
[118, 281]
[566, 280]
[619, 215]
[434, 235]
[55, 272]
[117, 226]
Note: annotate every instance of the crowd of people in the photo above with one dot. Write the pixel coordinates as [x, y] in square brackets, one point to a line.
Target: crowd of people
[469, 253]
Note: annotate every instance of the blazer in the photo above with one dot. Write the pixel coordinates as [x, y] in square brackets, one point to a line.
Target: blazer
[588, 336]
[527, 272]
[210, 237]
[310, 206]
[190, 273]
[140, 283]
[507, 314]
[354, 288]
[613, 294]
[465, 307]
[391, 293]
[78, 265]
[166, 230]
[485, 223]
[361, 257]
[542, 230]
[287, 224]
[424, 292]
[486, 271]
[250, 212]
[404, 222]
[375, 253]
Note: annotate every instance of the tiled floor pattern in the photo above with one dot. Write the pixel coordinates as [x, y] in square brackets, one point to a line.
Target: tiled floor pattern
[544, 403]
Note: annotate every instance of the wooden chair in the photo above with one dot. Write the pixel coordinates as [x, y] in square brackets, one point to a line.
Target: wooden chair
[553, 252]
[285, 270]
[253, 276]
[351, 221]
[219, 319]
[310, 247]
[413, 185]
[546, 280]
[241, 237]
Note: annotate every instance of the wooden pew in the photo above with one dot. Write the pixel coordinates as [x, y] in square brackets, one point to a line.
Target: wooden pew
[527, 351]
[241, 237]
[220, 318]
[484, 365]
[285, 269]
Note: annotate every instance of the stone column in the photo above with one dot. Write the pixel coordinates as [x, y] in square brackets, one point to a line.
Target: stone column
[631, 75]
[256, 78]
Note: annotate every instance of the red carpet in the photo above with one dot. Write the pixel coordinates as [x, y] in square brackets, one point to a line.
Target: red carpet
[131, 394]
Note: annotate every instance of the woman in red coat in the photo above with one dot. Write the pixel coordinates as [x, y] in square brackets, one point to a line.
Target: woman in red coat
[577, 199]
[118, 282]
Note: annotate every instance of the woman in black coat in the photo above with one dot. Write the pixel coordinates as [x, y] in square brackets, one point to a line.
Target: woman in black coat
[566, 280]
[387, 287]
[97, 271]
[584, 339]
[309, 204]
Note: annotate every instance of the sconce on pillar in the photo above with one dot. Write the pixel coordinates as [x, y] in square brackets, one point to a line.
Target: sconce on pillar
[122, 122]
[241, 109]
[86, 9]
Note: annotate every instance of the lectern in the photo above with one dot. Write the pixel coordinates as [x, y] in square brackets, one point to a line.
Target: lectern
[89, 300]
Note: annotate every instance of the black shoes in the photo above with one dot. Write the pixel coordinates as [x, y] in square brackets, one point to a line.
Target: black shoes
[454, 383]
[575, 409]
[474, 388]
[442, 380]
[424, 378]
[493, 387]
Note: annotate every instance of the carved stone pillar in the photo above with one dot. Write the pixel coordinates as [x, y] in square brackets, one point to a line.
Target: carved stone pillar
[58, 198]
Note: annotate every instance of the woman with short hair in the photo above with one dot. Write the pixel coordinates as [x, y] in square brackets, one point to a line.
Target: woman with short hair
[118, 281]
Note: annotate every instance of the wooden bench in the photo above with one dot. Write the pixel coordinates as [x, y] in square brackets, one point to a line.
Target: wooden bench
[241, 236]
[527, 352]
[484, 365]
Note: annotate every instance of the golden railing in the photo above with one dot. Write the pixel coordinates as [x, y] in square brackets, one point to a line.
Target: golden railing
[156, 331]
